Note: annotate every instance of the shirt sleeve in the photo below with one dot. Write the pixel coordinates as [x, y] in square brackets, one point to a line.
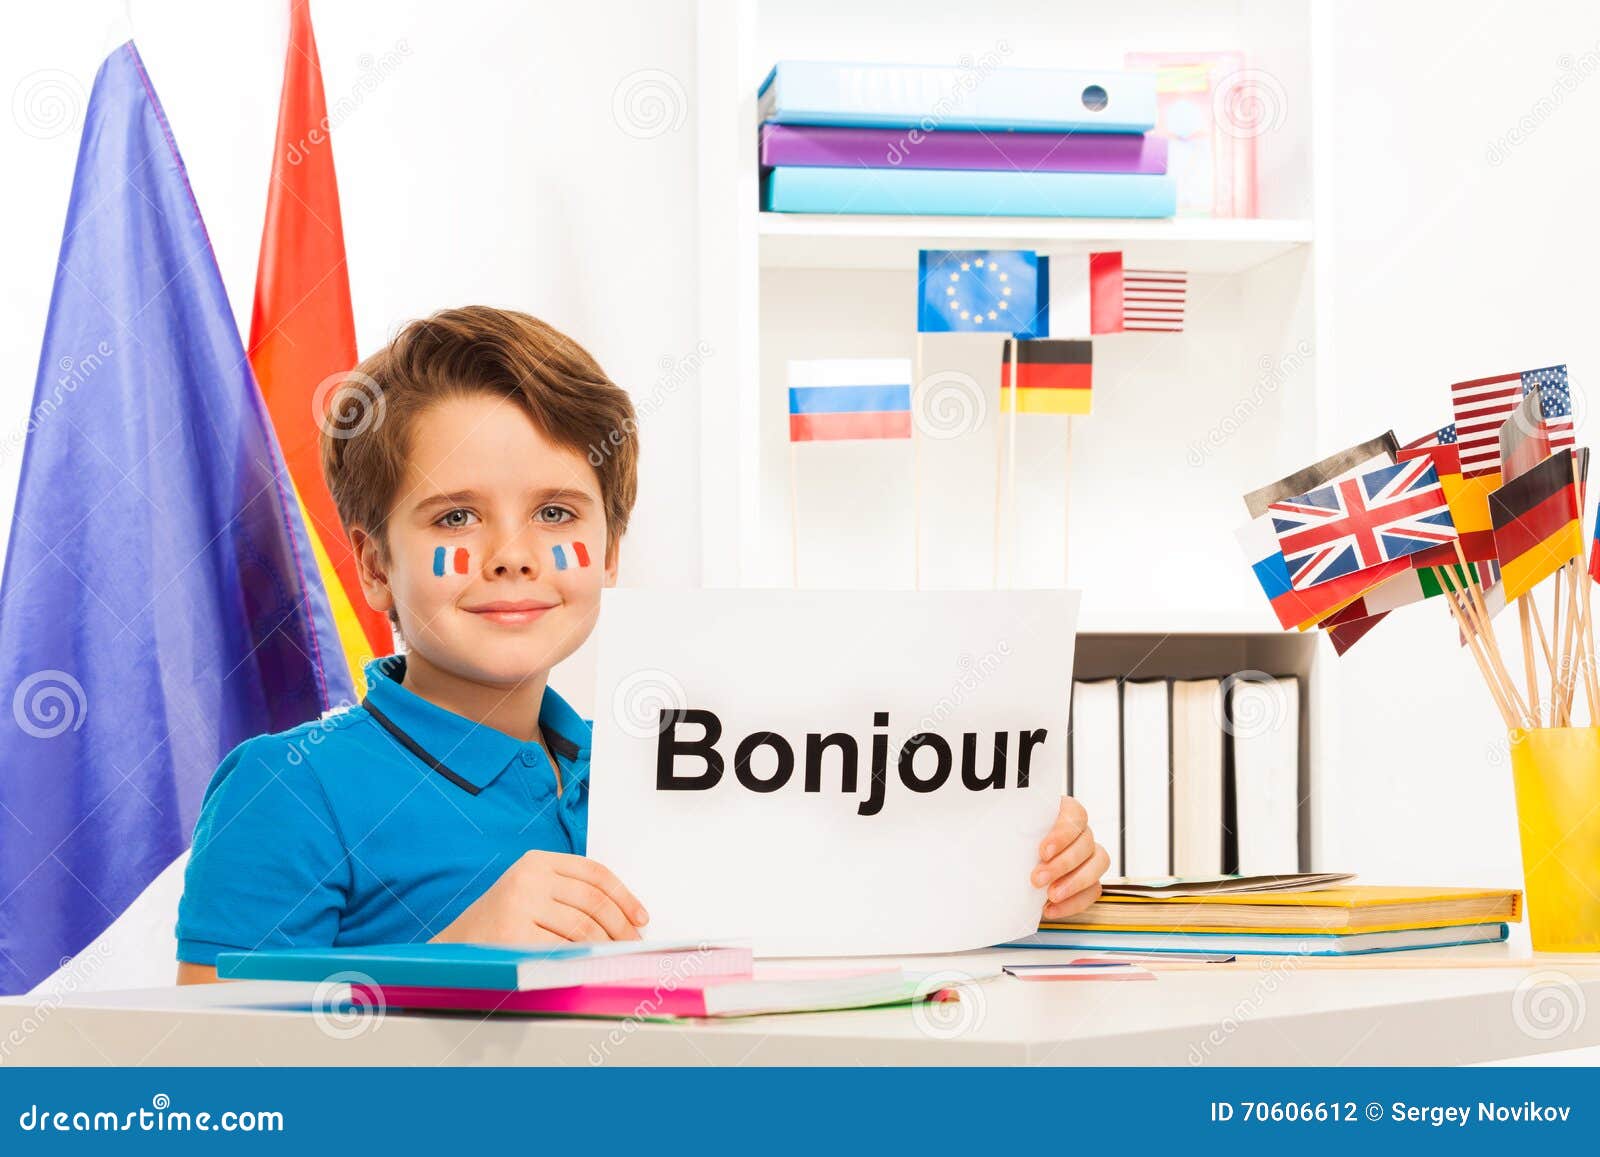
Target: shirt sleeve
[268, 866]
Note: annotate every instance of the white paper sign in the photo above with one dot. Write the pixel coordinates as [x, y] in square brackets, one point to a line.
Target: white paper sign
[831, 772]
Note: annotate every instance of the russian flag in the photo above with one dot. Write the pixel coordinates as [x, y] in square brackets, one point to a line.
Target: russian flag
[843, 399]
[1304, 608]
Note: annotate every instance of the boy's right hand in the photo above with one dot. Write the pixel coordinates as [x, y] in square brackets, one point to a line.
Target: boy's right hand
[550, 896]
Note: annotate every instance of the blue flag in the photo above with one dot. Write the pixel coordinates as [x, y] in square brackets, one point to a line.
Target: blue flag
[978, 291]
[159, 603]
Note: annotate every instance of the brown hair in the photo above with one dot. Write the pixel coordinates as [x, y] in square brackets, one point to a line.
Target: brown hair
[366, 433]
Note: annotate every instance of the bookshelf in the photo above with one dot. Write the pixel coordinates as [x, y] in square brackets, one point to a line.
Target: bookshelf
[1183, 424]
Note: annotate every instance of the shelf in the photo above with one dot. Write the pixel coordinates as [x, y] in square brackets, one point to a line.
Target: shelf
[1199, 245]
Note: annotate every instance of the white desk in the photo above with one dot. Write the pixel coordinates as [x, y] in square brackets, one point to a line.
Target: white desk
[1260, 1011]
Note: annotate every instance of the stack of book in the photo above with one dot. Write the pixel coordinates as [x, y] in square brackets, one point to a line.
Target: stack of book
[920, 140]
[1281, 916]
[637, 980]
[1192, 777]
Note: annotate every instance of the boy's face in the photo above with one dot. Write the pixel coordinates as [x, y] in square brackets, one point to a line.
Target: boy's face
[497, 544]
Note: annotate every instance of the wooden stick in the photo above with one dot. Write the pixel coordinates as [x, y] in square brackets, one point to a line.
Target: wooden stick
[1529, 668]
[1488, 645]
[1475, 647]
[794, 523]
[1066, 510]
[1487, 626]
[1011, 467]
[999, 468]
[1568, 637]
[1538, 625]
[916, 471]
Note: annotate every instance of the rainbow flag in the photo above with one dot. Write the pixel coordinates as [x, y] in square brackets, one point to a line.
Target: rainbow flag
[846, 399]
[303, 332]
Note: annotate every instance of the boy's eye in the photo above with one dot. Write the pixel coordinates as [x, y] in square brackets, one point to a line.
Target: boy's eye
[455, 519]
[554, 515]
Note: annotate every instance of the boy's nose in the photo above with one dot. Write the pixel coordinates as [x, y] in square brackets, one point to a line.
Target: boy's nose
[516, 555]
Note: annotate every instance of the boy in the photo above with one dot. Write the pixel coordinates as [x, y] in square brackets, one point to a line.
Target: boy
[484, 468]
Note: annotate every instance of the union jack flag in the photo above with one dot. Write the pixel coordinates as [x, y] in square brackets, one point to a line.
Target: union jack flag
[1361, 522]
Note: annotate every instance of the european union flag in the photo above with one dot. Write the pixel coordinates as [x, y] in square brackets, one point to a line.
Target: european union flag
[978, 291]
[159, 603]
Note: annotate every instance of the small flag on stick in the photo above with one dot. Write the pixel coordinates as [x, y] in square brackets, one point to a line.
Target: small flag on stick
[848, 399]
[1357, 523]
[1356, 459]
[1537, 527]
[1483, 405]
[1154, 299]
[1053, 377]
[978, 291]
[1081, 294]
[1468, 499]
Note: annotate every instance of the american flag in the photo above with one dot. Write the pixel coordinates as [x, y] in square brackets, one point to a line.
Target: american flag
[1483, 405]
[1443, 436]
[1380, 516]
[1154, 299]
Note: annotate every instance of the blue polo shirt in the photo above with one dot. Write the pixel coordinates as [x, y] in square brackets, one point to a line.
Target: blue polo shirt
[374, 824]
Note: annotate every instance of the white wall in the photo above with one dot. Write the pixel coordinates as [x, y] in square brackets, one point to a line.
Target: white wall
[537, 156]
[1455, 257]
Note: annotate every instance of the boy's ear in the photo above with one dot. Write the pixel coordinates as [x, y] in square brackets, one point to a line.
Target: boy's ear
[613, 548]
[370, 566]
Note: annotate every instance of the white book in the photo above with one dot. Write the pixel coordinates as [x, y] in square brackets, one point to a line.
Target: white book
[1196, 777]
[1097, 763]
[1146, 779]
[1264, 715]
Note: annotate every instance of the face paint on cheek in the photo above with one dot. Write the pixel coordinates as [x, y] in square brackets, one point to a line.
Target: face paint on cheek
[458, 562]
[574, 554]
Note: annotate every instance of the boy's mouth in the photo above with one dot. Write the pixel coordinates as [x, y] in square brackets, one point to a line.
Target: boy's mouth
[511, 613]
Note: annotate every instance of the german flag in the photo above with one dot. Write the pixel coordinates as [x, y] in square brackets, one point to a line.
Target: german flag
[1537, 526]
[1053, 377]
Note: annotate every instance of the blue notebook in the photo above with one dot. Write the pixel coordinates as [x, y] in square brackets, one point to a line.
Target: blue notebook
[819, 92]
[1264, 944]
[484, 966]
[968, 193]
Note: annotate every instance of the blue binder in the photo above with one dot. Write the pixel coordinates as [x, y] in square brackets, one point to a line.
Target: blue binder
[969, 193]
[819, 92]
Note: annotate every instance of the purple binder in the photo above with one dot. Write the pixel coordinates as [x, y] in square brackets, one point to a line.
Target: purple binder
[839, 147]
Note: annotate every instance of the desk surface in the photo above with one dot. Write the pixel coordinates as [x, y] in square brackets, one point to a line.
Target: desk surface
[1421, 1008]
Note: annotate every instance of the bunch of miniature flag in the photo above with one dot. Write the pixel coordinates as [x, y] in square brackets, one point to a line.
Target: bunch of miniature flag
[1480, 513]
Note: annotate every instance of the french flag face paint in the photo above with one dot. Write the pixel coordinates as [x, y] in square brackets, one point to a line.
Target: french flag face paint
[457, 560]
[570, 555]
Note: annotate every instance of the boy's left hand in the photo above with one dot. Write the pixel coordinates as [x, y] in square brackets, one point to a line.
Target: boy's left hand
[1070, 863]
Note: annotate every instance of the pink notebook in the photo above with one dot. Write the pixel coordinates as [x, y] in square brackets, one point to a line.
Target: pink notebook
[769, 988]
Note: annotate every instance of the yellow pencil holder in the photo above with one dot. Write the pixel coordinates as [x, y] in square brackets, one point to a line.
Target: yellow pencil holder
[1557, 773]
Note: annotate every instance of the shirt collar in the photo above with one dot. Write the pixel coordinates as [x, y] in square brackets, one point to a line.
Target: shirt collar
[475, 751]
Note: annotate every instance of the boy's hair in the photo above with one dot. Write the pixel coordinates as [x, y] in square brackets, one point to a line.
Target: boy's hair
[366, 433]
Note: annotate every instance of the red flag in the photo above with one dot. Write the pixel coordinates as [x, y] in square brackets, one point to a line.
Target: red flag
[303, 329]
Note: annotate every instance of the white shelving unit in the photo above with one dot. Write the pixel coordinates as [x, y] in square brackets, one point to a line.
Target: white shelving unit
[1183, 424]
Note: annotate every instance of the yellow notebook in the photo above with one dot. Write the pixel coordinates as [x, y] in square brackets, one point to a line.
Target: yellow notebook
[1356, 908]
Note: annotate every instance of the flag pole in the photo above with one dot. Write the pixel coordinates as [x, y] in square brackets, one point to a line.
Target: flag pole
[999, 467]
[794, 522]
[1066, 511]
[1474, 644]
[1529, 668]
[1011, 464]
[916, 469]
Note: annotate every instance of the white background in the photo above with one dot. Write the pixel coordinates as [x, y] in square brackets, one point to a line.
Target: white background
[491, 166]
